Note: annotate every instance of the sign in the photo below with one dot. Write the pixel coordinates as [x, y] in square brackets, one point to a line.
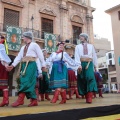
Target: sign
[50, 42]
[14, 38]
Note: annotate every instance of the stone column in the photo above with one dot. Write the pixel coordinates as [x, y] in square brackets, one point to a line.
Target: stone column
[89, 20]
[63, 20]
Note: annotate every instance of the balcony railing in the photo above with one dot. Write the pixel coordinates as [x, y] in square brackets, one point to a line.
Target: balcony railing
[36, 33]
[40, 34]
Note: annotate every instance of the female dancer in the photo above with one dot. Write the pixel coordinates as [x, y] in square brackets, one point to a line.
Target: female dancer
[59, 73]
[4, 61]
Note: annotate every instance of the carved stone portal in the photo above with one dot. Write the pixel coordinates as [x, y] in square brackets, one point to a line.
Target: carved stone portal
[77, 19]
[18, 2]
[48, 11]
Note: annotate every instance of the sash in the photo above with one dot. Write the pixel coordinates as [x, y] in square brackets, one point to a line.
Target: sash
[60, 64]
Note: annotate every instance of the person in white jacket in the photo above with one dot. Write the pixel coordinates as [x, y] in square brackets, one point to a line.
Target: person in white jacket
[28, 69]
[85, 56]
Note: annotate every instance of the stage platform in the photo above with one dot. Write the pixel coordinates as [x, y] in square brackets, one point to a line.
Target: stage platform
[46, 106]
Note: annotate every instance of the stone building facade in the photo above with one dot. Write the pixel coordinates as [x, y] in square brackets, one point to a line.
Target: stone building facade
[64, 18]
[114, 12]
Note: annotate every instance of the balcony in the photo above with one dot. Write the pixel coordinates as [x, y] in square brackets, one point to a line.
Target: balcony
[111, 68]
[40, 34]
[37, 34]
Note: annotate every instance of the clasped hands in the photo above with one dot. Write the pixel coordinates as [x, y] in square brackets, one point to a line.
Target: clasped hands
[9, 68]
[80, 68]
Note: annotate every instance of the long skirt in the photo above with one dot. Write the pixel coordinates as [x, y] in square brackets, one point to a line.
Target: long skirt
[3, 77]
[59, 79]
[72, 80]
[44, 84]
[28, 81]
[86, 79]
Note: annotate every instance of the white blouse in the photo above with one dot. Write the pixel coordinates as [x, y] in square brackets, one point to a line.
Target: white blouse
[66, 58]
[3, 56]
[91, 54]
[34, 50]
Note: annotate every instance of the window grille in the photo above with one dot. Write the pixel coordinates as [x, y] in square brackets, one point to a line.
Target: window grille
[11, 18]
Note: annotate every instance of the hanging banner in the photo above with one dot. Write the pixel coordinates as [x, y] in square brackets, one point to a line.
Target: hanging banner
[50, 42]
[14, 38]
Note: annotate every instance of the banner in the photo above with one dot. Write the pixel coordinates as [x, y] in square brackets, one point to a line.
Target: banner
[50, 42]
[14, 38]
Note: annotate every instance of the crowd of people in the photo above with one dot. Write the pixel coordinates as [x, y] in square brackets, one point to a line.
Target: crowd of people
[40, 74]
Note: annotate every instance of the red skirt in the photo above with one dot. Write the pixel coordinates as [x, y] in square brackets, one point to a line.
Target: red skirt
[72, 80]
[3, 77]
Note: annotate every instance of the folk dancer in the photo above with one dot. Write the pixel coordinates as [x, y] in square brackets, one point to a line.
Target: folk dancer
[44, 89]
[4, 62]
[27, 58]
[59, 73]
[85, 56]
[72, 82]
[98, 78]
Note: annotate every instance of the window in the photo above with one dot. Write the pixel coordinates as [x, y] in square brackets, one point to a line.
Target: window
[118, 15]
[47, 26]
[113, 79]
[76, 32]
[110, 62]
[11, 18]
[110, 55]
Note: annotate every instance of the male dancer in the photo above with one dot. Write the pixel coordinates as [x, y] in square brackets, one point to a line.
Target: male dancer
[27, 58]
[86, 57]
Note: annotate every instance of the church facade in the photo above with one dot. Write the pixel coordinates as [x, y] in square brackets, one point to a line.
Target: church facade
[65, 19]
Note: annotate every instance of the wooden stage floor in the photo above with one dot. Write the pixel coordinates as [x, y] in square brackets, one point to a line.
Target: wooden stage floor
[46, 106]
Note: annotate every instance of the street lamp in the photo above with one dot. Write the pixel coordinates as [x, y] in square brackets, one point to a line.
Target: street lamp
[32, 18]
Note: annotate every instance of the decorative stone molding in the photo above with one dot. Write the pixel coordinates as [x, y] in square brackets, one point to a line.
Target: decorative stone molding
[89, 17]
[63, 5]
[48, 11]
[77, 19]
[13, 2]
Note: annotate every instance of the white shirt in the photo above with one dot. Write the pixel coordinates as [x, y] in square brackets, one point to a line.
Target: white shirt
[34, 50]
[3, 56]
[39, 68]
[91, 54]
[66, 58]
